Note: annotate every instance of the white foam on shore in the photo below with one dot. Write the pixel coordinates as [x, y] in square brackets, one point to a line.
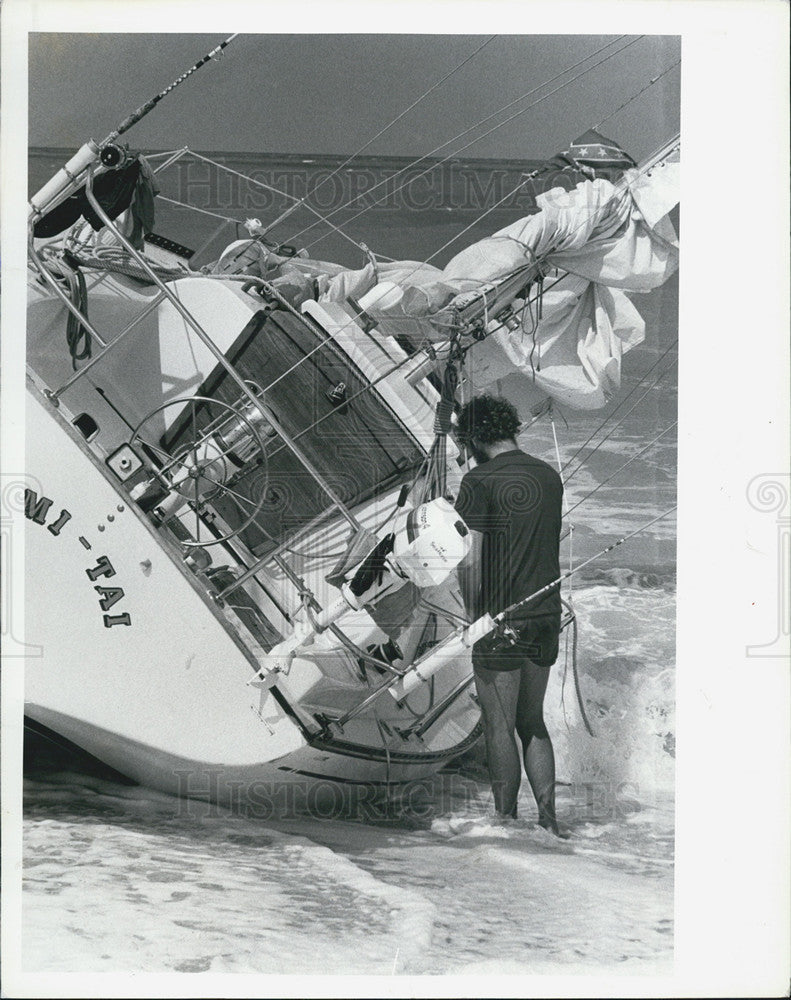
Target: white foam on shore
[153, 890]
[121, 878]
[625, 662]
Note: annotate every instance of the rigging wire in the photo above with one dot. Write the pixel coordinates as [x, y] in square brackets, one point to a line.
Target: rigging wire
[365, 388]
[629, 462]
[462, 233]
[574, 669]
[482, 121]
[529, 302]
[466, 131]
[319, 346]
[200, 211]
[616, 192]
[303, 201]
[398, 118]
[639, 92]
[475, 222]
[268, 187]
[619, 189]
[472, 142]
[612, 430]
[639, 454]
[518, 186]
[570, 475]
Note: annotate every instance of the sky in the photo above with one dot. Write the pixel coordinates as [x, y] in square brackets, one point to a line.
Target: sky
[333, 93]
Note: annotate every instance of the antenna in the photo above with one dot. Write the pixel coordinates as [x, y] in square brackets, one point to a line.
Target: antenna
[144, 109]
[69, 177]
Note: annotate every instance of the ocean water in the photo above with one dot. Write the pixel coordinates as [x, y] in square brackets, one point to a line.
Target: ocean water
[119, 878]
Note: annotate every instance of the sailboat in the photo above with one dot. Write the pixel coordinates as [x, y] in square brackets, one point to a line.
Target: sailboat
[241, 541]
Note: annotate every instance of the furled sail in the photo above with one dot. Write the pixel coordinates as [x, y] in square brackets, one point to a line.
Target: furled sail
[607, 238]
[599, 233]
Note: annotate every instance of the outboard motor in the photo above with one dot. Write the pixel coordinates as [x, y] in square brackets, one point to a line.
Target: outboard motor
[425, 546]
[427, 543]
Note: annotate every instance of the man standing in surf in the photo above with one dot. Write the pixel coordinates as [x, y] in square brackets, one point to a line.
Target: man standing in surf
[511, 502]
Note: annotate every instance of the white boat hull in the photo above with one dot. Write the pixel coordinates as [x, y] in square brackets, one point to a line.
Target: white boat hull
[140, 668]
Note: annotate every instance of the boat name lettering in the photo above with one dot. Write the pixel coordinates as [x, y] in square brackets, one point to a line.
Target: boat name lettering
[108, 596]
[37, 508]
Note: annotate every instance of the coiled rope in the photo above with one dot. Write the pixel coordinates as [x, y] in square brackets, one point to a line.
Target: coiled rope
[118, 262]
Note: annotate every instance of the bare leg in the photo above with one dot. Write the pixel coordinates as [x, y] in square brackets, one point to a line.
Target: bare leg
[540, 768]
[498, 693]
[537, 746]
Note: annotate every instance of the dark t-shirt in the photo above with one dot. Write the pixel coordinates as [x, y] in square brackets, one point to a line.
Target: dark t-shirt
[515, 501]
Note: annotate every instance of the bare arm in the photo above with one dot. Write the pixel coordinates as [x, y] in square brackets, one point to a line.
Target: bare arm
[470, 578]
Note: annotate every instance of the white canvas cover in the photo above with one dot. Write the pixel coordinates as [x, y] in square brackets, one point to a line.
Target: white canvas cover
[606, 239]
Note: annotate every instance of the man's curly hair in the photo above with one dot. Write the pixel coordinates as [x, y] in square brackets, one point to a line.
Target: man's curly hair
[488, 419]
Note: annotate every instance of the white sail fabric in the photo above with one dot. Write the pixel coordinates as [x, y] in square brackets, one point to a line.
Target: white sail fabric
[575, 356]
[610, 239]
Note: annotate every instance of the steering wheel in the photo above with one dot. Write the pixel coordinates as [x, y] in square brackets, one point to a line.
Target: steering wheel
[201, 461]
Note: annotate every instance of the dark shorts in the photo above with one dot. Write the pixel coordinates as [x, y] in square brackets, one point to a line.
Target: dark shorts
[538, 641]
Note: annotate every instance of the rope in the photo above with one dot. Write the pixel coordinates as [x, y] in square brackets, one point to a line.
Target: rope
[534, 320]
[618, 189]
[387, 758]
[574, 670]
[563, 681]
[568, 604]
[65, 268]
[198, 156]
[570, 533]
[76, 333]
[119, 265]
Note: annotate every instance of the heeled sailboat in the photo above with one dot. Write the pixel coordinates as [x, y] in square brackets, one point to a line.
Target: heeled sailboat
[240, 537]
